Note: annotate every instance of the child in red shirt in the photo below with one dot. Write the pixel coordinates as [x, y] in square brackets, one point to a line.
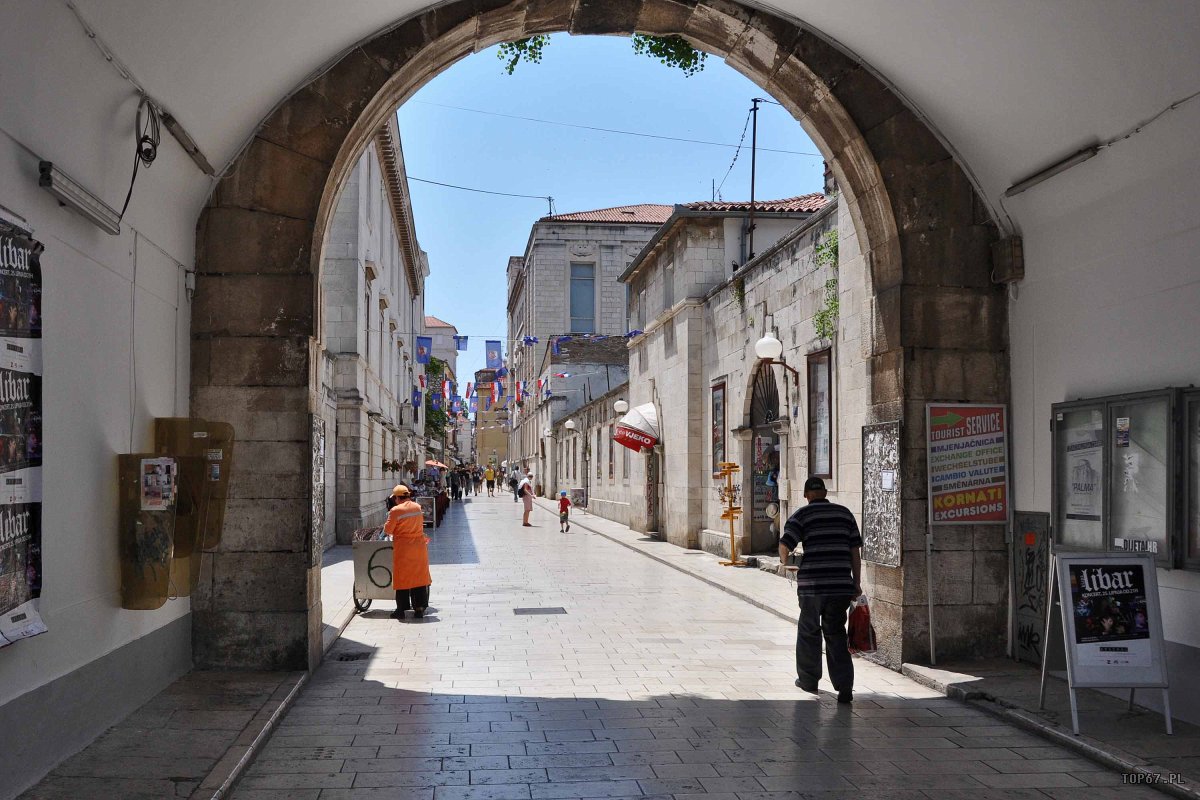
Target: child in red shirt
[564, 503]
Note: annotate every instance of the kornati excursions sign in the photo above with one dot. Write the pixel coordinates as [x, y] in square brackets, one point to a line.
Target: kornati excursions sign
[967, 457]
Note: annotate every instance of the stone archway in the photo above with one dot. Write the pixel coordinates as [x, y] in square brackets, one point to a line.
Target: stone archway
[938, 326]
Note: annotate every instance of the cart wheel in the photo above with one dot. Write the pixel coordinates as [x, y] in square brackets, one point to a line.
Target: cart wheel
[360, 605]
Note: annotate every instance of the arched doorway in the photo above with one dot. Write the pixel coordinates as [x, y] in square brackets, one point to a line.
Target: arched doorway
[765, 446]
[260, 244]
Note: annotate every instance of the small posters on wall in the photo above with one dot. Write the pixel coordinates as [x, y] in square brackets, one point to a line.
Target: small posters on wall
[158, 483]
[20, 435]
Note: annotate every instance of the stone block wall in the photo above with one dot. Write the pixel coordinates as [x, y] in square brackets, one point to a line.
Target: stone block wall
[921, 227]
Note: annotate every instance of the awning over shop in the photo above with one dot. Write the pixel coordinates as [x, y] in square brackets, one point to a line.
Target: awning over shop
[638, 430]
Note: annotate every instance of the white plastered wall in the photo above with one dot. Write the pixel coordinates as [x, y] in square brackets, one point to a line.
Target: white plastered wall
[116, 326]
[1110, 303]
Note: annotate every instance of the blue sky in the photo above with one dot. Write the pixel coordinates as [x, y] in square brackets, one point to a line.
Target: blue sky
[591, 80]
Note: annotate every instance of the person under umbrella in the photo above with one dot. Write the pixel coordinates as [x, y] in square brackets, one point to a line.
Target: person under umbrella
[410, 554]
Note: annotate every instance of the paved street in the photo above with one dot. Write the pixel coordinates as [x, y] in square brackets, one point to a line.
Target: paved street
[652, 684]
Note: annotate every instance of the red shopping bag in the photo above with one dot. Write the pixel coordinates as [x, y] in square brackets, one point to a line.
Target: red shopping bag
[860, 632]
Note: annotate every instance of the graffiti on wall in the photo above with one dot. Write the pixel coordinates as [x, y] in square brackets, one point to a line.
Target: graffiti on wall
[881, 493]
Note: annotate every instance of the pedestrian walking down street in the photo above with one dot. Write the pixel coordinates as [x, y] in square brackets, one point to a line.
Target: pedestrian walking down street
[514, 483]
[828, 581]
[477, 480]
[564, 513]
[489, 475]
[410, 554]
[525, 490]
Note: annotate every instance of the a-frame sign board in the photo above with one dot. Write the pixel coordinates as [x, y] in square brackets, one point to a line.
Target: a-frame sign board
[1112, 625]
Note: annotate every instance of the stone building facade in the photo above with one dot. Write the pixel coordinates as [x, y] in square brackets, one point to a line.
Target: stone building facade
[566, 282]
[671, 286]
[445, 350]
[491, 422]
[372, 295]
[583, 371]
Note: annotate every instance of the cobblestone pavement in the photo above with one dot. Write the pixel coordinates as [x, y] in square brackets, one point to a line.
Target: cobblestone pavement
[652, 684]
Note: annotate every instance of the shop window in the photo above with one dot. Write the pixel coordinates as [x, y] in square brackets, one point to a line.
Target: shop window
[611, 461]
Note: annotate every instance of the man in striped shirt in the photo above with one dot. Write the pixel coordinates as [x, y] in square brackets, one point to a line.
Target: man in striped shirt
[828, 580]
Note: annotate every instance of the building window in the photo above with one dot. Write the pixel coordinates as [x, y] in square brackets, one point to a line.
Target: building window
[583, 298]
[820, 420]
[596, 454]
[625, 459]
[669, 286]
[611, 464]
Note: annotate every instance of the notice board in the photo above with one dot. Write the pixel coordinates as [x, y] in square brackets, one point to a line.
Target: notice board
[967, 457]
[881, 493]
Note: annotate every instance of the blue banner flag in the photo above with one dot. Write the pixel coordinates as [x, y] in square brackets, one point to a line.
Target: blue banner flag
[424, 349]
[456, 404]
[416, 398]
[460, 343]
[494, 360]
[556, 342]
[473, 405]
[435, 401]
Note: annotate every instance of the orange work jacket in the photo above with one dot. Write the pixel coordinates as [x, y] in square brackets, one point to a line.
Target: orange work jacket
[410, 555]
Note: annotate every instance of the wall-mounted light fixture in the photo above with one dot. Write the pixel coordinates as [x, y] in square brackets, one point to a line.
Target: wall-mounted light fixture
[71, 194]
[1052, 170]
[569, 424]
[620, 406]
[769, 349]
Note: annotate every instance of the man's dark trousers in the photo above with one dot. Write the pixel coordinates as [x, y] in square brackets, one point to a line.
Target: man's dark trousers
[418, 596]
[824, 614]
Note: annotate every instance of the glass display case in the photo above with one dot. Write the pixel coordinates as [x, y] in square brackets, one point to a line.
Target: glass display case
[1114, 484]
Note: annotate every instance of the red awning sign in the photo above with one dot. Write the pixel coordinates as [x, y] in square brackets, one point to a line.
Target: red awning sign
[634, 439]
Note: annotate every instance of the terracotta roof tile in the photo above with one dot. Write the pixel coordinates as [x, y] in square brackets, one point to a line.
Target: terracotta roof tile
[434, 322]
[642, 214]
[805, 202]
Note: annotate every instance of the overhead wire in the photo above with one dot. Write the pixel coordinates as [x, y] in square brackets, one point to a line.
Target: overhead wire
[614, 130]
[737, 153]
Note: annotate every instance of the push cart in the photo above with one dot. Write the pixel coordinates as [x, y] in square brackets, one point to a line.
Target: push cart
[372, 572]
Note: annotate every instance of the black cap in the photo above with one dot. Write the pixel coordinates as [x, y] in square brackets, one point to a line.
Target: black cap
[814, 485]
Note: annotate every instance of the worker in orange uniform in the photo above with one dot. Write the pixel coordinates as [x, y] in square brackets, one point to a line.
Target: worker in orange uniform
[410, 554]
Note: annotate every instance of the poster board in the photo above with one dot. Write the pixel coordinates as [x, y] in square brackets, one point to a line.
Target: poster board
[579, 497]
[20, 435]
[429, 509]
[1112, 623]
[966, 449]
[881, 493]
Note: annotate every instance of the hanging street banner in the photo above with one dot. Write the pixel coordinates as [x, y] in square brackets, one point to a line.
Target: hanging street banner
[20, 435]
[424, 349]
[967, 458]
[494, 361]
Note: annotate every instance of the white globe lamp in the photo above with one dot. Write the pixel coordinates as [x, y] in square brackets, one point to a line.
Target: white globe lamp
[768, 348]
[620, 406]
[569, 424]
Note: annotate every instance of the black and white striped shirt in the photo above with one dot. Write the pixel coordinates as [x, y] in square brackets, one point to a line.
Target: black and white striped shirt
[828, 533]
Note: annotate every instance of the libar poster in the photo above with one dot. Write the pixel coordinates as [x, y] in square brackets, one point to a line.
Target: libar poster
[1108, 603]
[20, 435]
[967, 457]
